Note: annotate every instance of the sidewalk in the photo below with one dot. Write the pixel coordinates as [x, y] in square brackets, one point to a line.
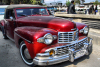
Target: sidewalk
[95, 35]
[94, 30]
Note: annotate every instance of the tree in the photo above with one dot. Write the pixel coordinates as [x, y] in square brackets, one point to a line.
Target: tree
[79, 1]
[96, 2]
[34, 2]
[68, 3]
[40, 3]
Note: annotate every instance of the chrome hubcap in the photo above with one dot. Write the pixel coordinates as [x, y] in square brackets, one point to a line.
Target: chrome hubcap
[27, 55]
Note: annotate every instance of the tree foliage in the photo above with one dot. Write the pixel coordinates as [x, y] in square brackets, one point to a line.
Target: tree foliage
[34, 2]
[68, 2]
[79, 1]
[96, 2]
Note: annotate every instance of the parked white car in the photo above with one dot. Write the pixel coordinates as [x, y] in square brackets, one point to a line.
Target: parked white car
[2, 11]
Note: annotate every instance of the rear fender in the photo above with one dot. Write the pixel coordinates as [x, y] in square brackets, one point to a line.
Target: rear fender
[30, 35]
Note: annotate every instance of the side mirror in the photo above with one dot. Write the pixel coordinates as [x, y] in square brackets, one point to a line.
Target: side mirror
[11, 18]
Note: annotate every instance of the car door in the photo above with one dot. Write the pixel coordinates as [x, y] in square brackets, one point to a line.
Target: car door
[10, 23]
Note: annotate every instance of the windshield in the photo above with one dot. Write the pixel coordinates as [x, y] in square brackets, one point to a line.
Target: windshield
[2, 11]
[31, 11]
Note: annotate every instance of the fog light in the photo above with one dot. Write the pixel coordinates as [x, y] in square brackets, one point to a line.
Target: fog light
[52, 52]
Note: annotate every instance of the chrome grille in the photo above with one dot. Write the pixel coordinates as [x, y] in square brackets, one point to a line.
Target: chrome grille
[80, 44]
[67, 37]
[64, 49]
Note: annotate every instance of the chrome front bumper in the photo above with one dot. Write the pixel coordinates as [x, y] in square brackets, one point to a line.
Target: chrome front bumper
[44, 59]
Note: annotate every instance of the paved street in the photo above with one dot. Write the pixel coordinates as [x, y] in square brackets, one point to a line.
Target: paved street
[10, 57]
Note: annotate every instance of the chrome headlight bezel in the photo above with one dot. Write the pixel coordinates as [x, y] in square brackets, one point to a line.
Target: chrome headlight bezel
[85, 30]
[47, 38]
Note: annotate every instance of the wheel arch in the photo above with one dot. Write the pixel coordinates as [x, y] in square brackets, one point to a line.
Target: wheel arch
[19, 41]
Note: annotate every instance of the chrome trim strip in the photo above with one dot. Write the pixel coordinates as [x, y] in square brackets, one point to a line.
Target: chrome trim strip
[43, 54]
[50, 60]
[74, 29]
[73, 42]
[23, 38]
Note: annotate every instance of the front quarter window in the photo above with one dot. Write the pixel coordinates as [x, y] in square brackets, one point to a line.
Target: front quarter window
[31, 11]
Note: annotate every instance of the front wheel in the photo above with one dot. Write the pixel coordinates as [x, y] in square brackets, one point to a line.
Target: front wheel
[25, 54]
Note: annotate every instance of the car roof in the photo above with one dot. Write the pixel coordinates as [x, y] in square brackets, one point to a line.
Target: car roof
[22, 5]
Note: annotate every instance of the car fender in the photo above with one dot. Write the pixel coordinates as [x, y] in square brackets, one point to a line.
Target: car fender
[81, 26]
[30, 35]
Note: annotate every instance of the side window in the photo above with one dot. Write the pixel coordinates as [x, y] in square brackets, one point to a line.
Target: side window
[10, 13]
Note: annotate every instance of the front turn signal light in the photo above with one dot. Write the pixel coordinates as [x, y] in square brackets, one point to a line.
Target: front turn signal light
[51, 52]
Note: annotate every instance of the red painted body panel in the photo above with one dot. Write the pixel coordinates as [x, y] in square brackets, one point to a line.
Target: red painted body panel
[30, 28]
[47, 22]
[32, 34]
[81, 26]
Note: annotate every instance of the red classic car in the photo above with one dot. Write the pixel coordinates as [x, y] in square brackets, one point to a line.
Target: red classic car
[43, 39]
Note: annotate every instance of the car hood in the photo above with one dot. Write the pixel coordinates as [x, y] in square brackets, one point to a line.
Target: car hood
[59, 24]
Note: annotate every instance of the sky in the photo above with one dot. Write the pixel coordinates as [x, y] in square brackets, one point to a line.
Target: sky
[64, 1]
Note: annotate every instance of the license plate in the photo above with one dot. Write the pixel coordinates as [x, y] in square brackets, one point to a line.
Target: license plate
[80, 53]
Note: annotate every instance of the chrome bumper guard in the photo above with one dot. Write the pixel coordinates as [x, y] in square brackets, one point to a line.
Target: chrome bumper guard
[44, 59]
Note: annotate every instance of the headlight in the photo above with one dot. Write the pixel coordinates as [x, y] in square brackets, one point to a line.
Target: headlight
[85, 30]
[47, 39]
